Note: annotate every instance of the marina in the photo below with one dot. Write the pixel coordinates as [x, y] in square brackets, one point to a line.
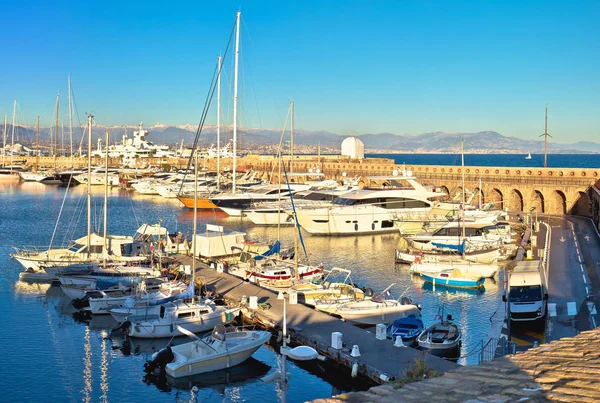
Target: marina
[366, 264]
[391, 247]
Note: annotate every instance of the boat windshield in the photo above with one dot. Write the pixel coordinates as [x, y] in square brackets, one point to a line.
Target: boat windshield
[526, 293]
[342, 201]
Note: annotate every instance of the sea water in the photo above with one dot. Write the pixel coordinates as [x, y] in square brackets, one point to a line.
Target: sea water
[49, 356]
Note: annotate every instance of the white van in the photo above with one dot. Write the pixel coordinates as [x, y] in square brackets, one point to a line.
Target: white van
[527, 294]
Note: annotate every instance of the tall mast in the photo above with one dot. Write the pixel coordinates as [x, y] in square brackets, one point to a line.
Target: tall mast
[56, 125]
[12, 140]
[296, 234]
[104, 226]
[70, 120]
[462, 218]
[292, 138]
[195, 228]
[37, 145]
[89, 186]
[4, 144]
[235, 96]
[219, 124]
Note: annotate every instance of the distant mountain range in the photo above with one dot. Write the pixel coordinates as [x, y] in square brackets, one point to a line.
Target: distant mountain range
[438, 142]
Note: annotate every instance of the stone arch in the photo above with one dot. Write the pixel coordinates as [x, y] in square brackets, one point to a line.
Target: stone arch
[476, 194]
[445, 190]
[496, 197]
[559, 202]
[538, 201]
[515, 200]
[581, 205]
[457, 193]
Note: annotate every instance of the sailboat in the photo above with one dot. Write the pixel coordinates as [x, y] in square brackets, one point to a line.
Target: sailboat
[528, 156]
[176, 319]
[10, 172]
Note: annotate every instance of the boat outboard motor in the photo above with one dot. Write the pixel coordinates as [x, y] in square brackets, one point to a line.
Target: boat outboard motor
[160, 360]
[369, 292]
[123, 327]
[83, 302]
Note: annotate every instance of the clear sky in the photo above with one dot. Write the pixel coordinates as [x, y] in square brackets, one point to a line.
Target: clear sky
[405, 67]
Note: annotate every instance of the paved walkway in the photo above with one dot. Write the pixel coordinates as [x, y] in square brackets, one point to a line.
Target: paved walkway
[379, 359]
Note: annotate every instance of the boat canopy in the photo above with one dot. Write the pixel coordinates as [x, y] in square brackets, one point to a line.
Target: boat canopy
[459, 248]
[97, 240]
[276, 248]
[147, 229]
[213, 244]
[187, 294]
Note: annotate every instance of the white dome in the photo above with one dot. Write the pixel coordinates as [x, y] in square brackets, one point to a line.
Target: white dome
[353, 148]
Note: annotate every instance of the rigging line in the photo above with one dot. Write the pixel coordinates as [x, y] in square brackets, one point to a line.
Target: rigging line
[269, 89]
[81, 127]
[62, 205]
[210, 94]
[200, 126]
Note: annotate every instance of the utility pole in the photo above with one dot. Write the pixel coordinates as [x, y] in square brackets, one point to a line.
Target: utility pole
[546, 135]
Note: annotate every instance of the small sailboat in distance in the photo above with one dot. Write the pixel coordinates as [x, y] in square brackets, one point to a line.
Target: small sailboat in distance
[528, 156]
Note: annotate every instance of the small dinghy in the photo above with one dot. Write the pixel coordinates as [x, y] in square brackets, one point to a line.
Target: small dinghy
[442, 339]
[408, 328]
[454, 278]
[221, 349]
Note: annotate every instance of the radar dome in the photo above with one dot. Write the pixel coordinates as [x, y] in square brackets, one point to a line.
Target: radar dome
[353, 148]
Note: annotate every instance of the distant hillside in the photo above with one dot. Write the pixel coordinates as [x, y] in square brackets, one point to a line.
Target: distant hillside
[437, 142]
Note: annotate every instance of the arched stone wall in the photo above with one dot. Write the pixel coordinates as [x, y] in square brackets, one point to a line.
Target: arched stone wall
[515, 201]
[476, 198]
[558, 203]
[538, 201]
[496, 197]
[581, 205]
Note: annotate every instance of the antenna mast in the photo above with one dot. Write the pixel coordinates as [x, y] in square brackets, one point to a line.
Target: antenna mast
[546, 135]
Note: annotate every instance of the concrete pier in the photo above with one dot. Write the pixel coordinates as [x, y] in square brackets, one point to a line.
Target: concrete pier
[379, 360]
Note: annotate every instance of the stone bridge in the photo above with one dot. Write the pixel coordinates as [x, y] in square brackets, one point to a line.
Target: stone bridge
[549, 190]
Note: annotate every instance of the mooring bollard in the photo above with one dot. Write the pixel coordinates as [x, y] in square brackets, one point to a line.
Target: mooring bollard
[253, 302]
[399, 342]
[355, 351]
[336, 340]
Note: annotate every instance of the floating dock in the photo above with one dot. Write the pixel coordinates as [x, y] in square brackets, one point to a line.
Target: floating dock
[379, 360]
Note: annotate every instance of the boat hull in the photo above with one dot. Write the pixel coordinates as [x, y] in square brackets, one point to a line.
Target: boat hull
[228, 359]
[202, 203]
[453, 282]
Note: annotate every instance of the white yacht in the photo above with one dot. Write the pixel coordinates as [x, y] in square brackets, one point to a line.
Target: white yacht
[131, 148]
[98, 177]
[369, 210]
[476, 235]
[235, 204]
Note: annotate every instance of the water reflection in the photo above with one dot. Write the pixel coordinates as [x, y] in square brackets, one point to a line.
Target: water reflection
[81, 348]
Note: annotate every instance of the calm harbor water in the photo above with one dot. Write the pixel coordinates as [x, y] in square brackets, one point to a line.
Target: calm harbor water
[499, 160]
[49, 356]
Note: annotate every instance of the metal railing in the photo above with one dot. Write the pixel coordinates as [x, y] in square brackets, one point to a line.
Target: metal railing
[495, 348]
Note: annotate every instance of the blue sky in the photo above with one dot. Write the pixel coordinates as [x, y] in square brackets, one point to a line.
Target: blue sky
[405, 67]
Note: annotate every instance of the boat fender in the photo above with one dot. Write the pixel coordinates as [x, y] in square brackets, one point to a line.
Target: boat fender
[354, 373]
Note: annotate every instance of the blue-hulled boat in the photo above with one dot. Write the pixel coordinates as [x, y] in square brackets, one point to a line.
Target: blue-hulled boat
[453, 278]
[408, 327]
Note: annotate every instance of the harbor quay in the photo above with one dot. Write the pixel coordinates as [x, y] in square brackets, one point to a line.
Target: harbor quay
[547, 190]
[378, 359]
